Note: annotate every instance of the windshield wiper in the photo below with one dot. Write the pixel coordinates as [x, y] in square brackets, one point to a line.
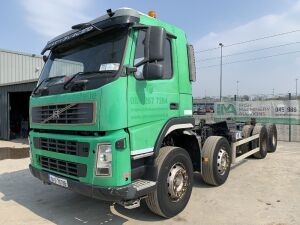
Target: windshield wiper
[45, 80]
[84, 73]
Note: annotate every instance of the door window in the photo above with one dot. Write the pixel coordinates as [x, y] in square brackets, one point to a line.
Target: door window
[139, 56]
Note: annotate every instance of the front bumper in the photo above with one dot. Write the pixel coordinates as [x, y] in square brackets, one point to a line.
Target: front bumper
[116, 194]
[120, 164]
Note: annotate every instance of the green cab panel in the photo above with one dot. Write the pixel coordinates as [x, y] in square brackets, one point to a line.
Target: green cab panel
[144, 136]
[150, 101]
[109, 101]
[186, 103]
[180, 54]
[113, 106]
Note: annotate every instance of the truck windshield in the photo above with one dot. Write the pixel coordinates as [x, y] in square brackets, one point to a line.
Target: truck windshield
[96, 58]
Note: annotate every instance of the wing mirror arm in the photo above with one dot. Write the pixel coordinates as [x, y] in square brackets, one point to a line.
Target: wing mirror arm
[130, 70]
[141, 62]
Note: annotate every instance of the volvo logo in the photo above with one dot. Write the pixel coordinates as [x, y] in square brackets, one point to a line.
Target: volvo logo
[56, 114]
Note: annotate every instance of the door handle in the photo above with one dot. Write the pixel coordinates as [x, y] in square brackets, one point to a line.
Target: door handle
[174, 106]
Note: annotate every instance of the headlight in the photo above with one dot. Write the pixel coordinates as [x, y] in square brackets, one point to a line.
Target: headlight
[104, 160]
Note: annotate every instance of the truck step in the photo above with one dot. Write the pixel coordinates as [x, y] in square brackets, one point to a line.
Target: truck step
[143, 184]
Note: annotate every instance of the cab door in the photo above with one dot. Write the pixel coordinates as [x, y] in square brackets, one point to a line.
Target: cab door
[151, 102]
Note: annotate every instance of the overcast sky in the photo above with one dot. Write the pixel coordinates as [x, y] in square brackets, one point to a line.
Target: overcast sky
[26, 25]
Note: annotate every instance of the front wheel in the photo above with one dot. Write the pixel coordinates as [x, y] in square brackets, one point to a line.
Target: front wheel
[216, 160]
[174, 174]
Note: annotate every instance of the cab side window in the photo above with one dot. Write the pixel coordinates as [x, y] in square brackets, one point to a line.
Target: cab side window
[139, 56]
[139, 53]
[167, 62]
[139, 50]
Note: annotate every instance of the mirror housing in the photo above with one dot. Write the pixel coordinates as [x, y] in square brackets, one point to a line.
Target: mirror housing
[192, 65]
[154, 43]
[45, 58]
[153, 71]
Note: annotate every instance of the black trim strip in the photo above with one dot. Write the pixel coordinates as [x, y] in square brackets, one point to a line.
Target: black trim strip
[65, 167]
[70, 147]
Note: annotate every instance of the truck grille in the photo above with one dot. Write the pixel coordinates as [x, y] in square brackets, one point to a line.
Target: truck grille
[64, 114]
[62, 146]
[70, 168]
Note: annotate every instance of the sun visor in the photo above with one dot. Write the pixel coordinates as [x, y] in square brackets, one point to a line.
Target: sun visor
[102, 24]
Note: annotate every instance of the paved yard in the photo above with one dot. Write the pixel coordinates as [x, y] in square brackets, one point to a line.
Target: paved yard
[14, 149]
[16, 143]
[256, 192]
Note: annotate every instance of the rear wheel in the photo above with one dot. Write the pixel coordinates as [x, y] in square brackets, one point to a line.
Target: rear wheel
[174, 174]
[216, 160]
[262, 142]
[246, 132]
[272, 137]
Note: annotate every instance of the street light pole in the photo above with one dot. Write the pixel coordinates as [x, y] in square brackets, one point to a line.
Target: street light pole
[296, 88]
[237, 89]
[221, 67]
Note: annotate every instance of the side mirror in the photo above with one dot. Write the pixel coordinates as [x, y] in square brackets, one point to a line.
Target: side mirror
[192, 65]
[45, 58]
[153, 71]
[154, 43]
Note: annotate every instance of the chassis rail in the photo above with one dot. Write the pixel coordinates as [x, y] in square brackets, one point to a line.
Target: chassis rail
[234, 145]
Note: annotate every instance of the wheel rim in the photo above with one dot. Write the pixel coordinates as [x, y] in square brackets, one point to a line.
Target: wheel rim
[222, 161]
[177, 182]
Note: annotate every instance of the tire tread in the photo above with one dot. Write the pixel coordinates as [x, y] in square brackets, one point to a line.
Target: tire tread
[257, 130]
[207, 171]
[152, 199]
[271, 129]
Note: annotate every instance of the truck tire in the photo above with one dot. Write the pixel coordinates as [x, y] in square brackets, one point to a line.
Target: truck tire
[262, 142]
[174, 174]
[216, 160]
[246, 132]
[272, 137]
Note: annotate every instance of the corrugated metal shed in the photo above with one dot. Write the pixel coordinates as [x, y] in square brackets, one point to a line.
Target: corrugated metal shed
[17, 67]
[4, 104]
[18, 74]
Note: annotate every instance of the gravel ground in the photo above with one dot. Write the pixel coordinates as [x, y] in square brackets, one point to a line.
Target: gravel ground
[257, 192]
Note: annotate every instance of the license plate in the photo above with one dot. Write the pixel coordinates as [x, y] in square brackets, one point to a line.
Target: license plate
[59, 181]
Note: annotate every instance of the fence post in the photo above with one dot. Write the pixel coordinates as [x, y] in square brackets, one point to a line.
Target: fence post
[290, 126]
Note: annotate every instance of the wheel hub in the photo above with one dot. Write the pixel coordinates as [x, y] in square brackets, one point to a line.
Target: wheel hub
[223, 161]
[177, 182]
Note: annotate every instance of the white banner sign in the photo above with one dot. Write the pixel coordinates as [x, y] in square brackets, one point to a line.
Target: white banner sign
[275, 111]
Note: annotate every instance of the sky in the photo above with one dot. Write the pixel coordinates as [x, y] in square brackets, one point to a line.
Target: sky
[27, 25]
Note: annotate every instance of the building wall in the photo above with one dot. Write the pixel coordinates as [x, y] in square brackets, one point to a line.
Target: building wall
[4, 105]
[16, 67]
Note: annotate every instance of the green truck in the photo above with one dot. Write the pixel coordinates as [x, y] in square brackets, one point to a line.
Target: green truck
[111, 116]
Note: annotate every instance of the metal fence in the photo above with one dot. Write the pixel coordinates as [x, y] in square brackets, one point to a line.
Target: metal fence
[284, 113]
